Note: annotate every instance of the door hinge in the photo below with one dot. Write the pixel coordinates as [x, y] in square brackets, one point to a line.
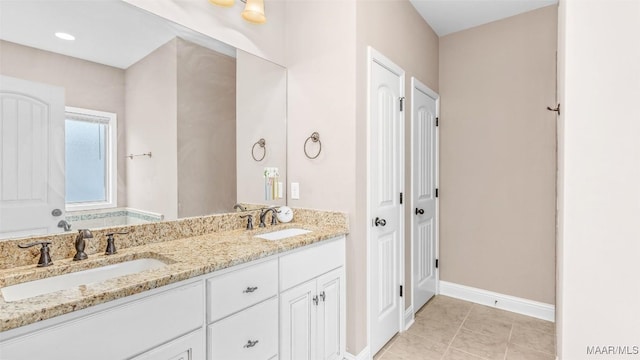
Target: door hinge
[437, 192]
[437, 121]
[436, 263]
[400, 198]
[400, 290]
[401, 103]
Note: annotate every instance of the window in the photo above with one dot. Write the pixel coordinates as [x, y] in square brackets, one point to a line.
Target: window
[90, 159]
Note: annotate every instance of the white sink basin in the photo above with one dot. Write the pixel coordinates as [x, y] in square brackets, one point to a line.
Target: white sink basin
[282, 234]
[61, 282]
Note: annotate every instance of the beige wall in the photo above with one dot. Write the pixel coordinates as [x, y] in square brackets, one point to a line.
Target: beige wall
[261, 113]
[408, 41]
[326, 60]
[206, 116]
[321, 60]
[498, 156]
[599, 196]
[87, 85]
[151, 91]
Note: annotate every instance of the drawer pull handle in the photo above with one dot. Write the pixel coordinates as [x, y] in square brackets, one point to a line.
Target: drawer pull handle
[250, 344]
[315, 300]
[322, 296]
[250, 289]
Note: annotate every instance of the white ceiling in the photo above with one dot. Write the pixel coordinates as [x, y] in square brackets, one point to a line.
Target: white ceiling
[108, 32]
[449, 16]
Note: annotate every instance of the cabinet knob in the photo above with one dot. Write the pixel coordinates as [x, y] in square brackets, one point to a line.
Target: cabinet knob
[315, 300]
[250, 289]
[322, 296]
[250, 344]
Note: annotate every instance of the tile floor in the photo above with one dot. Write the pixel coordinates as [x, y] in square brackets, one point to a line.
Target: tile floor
[451, 329]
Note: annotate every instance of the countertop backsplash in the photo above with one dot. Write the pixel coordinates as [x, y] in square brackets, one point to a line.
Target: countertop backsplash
[62, 245]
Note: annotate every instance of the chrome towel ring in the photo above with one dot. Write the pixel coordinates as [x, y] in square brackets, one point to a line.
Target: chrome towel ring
[315, 137]
[262, 144]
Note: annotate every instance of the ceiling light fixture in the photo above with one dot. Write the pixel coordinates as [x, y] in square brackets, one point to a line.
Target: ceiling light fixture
[65, 36]
[253, 10]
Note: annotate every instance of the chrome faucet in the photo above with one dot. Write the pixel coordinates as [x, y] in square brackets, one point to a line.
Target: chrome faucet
[263, 214]
[80, 244]
[238, 206]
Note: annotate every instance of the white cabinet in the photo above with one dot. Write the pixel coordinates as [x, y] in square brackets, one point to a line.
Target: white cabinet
[289, 306]
[239, 289]
[298, 322]
[187, 347]
[119, 332]
[331, 306]
[251, 334]
[312, 317]
[243, 312]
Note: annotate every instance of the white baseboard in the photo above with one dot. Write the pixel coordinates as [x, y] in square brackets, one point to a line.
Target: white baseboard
[501, 301]
[363, 355]
[409, 318]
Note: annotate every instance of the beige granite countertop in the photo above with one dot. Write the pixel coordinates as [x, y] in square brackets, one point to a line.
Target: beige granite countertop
[186, 258]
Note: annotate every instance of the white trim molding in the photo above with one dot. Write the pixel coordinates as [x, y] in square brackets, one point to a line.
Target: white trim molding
[409, 318]
[363, 355]
[501, 301]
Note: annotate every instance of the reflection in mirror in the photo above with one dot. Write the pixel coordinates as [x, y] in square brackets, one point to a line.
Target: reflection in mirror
[137, 119]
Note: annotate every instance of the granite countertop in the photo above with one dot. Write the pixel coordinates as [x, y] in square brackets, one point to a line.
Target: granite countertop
[186, 258]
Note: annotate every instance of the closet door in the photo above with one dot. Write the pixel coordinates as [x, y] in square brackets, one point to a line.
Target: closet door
[423, 195]
[386, 177]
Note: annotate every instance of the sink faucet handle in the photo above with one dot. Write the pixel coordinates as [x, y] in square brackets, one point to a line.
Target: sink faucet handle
[111, 246]
[249, 221]
[45, 257]
[80, 244]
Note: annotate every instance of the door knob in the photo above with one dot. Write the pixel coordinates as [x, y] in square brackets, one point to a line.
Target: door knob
[380, 222]
[419, 211]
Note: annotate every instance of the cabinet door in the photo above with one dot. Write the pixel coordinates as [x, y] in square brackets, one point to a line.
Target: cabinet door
[188, 347]
[298, 322]
[330, 315]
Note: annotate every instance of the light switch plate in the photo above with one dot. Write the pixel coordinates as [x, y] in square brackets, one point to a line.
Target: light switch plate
[295, 190]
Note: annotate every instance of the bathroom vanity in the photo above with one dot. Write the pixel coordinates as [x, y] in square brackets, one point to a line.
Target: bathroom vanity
[221, 295]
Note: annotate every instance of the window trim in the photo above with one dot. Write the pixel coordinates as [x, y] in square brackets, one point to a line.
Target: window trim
[111, 152]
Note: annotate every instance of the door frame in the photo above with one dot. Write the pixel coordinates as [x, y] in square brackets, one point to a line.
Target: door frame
[374, 55]
[418, 85]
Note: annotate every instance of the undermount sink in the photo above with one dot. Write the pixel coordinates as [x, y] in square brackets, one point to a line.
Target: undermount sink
[282, 234]
[67, 281]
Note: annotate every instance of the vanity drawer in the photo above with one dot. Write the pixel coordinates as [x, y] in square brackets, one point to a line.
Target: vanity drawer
[308, 263]
[251, 334]
[242, 288]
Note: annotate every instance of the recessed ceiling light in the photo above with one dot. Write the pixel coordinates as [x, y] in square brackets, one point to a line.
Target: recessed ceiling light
[65, 36]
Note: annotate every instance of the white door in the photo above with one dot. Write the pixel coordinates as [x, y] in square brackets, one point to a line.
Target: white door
[298, 322]
[386, 141]
[329, 315]
[423, 184]
[32, 157]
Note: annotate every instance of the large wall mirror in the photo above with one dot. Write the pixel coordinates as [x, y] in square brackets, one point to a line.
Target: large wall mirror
[114, 116]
